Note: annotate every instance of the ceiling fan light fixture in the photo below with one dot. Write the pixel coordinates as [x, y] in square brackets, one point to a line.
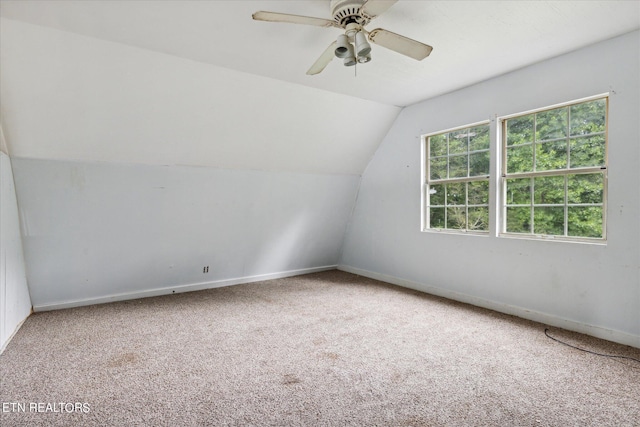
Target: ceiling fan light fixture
[363, 48]
[350, 61]
[343, 47]
[364, 59]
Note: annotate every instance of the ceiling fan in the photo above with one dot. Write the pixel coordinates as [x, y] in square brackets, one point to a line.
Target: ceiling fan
[352, 46]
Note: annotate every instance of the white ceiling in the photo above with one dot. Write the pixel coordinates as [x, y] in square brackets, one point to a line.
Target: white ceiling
[472, 40]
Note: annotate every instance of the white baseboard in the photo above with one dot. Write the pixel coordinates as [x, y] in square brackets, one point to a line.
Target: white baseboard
[178, 289]
[536, 316]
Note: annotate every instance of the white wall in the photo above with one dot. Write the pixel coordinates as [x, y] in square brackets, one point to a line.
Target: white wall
[589, 288]
[96, 232]
[135, 169]
[15, 304]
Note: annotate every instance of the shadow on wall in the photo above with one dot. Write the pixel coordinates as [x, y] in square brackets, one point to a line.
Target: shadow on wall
[283, 247]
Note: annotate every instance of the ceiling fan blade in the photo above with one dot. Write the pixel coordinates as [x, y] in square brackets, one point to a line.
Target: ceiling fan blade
[323, 61]
[373, 8]
[293, 19]
[401, 44]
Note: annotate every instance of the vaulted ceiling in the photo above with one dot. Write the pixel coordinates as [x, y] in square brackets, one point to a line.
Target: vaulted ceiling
[472, 40]
[202, 83]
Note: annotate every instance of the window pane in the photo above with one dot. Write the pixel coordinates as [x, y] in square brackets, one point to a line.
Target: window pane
[479, 219]
[479, 163]
[520, 159]
[548, 190]
[458, 166]
[518, 220]
[456, 194]
[456, 218]
[519, 191]
[585, 221]
[548, 221]
[436, 195]
[588, 117]
[448, 159]
[587, 188]
[587, 151]
[479, 193]
[551, 124]
[479, 138]
[551, 155]
[458, 141]
[437, 145]
[520, 130]
[438, 168]
[436, 218]
[547, 147]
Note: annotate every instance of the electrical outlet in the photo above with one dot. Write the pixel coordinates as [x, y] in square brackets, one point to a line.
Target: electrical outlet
[205, 269]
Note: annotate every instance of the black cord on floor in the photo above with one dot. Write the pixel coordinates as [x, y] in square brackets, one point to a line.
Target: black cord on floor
[589, 351]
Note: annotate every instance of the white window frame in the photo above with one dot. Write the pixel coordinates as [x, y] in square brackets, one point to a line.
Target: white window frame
[427, 181]
[501, 140]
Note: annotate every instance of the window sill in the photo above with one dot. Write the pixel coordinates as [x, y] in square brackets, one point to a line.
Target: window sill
[540, 238]
[456, 232]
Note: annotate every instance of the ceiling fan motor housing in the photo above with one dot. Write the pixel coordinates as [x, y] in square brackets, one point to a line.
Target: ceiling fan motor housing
[346, 12]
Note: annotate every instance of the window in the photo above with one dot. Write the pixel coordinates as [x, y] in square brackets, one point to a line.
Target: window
[554, 165]
[551, 180]
[457, 179]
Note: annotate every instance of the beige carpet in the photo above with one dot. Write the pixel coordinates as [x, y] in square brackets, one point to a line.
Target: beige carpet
[326, 349]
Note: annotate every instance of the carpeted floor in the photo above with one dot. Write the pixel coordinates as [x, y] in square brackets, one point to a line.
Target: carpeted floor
[326, 349]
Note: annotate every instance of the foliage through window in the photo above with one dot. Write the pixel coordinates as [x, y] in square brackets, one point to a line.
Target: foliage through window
[457, 179]
[554, 169]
